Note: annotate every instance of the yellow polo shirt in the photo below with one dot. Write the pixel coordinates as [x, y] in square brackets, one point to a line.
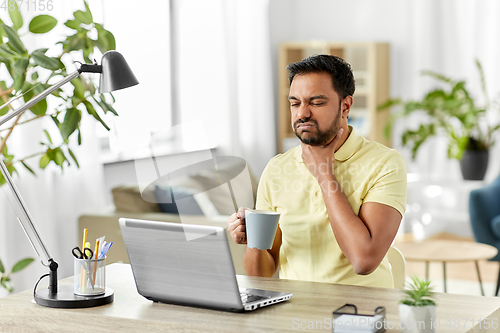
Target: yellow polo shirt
[367, 172]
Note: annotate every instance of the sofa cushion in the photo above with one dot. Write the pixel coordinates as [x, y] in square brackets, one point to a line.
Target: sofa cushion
[184, 201]
[169, 198]
[127, 198]
[243, 186]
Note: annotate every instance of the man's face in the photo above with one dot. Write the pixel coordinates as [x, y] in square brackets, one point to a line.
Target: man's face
[315, 107]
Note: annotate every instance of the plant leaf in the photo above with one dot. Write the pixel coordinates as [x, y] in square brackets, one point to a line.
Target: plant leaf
[88, 12]
[111, 40]
[105, 106]
[46, 62]
[39, 108]
[71, 122]
[27, 167]
[483, 83]
[59, 157]
[42, 24]
[72, 24]
[73, 43]
[20, 67]
[2, 269]
[48, 136]
[83, 17]
[79, 91]
[2, 33]
[14, 40]
[436, 76]
[73, 157]
[20, 265]
[389, 103]
[7, 285]
[105, 39]
[44, 161]
[15, 16]
[93, 112]
[6, 52]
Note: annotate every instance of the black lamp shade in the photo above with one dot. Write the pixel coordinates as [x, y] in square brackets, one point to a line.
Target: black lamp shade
[116, 74]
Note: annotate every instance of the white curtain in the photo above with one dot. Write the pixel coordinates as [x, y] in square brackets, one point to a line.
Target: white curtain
[224, 75]
[54, 198]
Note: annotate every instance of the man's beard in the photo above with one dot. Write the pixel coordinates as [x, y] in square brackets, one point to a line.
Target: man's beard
[323, 137]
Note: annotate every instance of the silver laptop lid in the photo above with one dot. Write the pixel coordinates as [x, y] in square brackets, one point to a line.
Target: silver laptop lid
[170, 264]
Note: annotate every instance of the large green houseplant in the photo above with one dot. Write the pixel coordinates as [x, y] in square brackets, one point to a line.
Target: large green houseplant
[32, 71]
[451, 110]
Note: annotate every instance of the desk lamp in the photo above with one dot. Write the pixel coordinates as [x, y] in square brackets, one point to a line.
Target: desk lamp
[115, 74]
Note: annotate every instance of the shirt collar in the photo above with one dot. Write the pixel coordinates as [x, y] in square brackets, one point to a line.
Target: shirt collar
[345, 151]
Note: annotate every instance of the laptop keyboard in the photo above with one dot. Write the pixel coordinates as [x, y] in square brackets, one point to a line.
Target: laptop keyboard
[248, 298]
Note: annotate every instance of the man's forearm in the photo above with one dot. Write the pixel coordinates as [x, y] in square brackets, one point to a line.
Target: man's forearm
[259, 263]
[352, 235]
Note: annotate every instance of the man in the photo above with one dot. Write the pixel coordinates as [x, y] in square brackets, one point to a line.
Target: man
[341, 197]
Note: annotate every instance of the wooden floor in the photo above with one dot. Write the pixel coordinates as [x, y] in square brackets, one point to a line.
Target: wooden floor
[459, 271]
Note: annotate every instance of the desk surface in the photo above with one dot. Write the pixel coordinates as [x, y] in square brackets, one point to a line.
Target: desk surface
[445, 250]
[310, 308]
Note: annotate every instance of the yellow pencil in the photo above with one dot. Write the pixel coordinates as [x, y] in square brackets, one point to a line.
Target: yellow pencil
[96, 253]
[83, 278]
[84, 238]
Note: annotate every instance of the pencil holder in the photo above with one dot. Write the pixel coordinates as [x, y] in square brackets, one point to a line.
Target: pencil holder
[90, 276]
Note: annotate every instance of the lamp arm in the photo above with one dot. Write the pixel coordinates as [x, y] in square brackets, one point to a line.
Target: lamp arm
[39, 97]
[38, 240]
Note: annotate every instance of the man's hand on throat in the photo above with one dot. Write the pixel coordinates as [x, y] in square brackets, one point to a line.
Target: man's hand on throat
[320, 160]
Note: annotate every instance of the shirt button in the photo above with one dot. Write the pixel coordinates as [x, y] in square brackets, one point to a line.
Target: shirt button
[318, 194]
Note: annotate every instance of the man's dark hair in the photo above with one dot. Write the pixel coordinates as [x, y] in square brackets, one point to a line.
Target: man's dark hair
[339, 70]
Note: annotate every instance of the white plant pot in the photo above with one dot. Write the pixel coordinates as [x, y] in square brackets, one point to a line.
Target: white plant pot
[417, 319]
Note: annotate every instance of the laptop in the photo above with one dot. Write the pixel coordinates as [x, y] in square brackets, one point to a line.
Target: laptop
[170, 267]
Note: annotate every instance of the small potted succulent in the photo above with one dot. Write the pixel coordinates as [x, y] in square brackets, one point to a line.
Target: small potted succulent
[417, 311]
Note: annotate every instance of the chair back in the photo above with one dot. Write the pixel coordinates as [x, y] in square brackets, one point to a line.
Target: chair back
[398, 264]
[484, 206]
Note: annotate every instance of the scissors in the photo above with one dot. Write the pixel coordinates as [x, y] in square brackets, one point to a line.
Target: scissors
[86, 254]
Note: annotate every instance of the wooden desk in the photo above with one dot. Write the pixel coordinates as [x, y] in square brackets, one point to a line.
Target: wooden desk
[311, 303]
[433, 250]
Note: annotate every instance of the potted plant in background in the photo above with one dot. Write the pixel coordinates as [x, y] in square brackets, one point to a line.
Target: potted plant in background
[5, 276]
[417, 311]
[454, 112]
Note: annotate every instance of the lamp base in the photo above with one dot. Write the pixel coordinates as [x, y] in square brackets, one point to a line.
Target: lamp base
[66, 298]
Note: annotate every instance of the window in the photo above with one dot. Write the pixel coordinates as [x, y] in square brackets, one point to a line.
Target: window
[142, 33]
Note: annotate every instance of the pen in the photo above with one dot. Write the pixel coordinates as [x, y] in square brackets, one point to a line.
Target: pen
[101, 244]
[88, 252]
[105, 250]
